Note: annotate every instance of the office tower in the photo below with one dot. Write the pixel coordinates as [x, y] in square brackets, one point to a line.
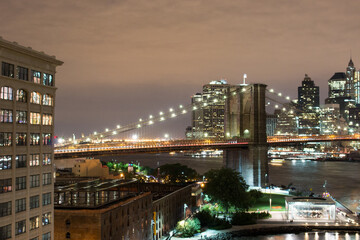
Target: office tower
[308, 94]
[308, 103]
[286, 121]
[350, 75]
[271, 122]
[27, 99]
[208, 116]
[337, 92]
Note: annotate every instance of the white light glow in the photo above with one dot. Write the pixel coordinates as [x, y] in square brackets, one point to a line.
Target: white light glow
[181, 106]
[170, 110]
[279, 94]
[118, 126]
[134, 137]
[271, 90]
[151, 122]
[151, 116]
[161, 113]
[173, 115]
[184, 111]
[162, 119]
[114, 132]
[106, 129]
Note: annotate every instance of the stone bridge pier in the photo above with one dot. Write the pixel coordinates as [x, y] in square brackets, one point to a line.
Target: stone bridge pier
[245, 118]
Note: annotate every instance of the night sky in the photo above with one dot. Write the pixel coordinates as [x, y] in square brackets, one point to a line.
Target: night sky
[127, 59]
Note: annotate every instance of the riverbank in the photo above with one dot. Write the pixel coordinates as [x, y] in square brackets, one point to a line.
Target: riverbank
[270, 229]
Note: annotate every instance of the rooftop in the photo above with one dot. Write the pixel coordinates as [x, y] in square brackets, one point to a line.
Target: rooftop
[29, 51]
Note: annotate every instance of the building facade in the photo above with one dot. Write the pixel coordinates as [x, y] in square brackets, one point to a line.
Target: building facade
[119, 209]
[208, 111]
[27, 100]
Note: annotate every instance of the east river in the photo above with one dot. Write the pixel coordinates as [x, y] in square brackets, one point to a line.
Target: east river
[343, 178]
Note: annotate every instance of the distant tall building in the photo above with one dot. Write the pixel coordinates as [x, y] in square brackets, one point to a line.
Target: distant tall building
[208, 116]
[27, 99]
[271, 122]
[308, 103]
[350, 76]
[308, 94]
[338, 92]
[286, 121]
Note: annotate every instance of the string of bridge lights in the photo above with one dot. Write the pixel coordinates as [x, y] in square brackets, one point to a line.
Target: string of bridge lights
[153, 118]
[170, 114]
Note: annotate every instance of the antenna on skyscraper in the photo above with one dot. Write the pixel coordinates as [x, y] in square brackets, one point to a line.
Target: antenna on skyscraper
[244, 79]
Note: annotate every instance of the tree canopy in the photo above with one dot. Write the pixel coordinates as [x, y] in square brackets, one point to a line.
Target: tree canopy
[226, 187]
[177, 173]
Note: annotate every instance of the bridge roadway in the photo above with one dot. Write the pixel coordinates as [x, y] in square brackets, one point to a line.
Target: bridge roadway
[128, 147]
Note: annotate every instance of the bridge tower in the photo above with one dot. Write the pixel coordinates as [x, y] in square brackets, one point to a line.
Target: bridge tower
[245, 119]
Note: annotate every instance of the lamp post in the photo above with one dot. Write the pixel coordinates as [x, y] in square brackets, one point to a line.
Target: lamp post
[185, 206]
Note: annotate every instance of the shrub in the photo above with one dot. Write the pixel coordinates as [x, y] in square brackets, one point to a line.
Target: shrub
[188, 227]
[204, 217]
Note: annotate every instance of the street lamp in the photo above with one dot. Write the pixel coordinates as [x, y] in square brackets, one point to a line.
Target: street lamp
[185, 206]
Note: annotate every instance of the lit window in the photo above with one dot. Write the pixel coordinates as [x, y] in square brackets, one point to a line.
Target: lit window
[46, 218]
[47, 100]
[36, 76]
[6, 93]
[5, 185]
[5, 139]
[47, 119]
[5, 162]
[34, 138]
[46, 158]
[20, 139]
[47, 79]
[34, 160]
[6, 116]
[35, 118]
[47, 139]
[21, 95]
[35, 98]
[34, 222]
[21, 117]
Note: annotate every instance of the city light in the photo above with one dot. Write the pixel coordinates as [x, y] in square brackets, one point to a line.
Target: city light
[118, 126]
[151, 116]
[134, 136]
[106, 129]
[161, 113]
[170, 110]
[181, 106]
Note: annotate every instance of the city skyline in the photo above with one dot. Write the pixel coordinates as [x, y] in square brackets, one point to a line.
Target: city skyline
[127, 60]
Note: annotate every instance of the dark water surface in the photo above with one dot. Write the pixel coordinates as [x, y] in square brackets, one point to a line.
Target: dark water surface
[306, 236]
[343, 178]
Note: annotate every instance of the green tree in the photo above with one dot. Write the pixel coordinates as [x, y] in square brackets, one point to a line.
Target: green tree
[226, 187]
[177, 173]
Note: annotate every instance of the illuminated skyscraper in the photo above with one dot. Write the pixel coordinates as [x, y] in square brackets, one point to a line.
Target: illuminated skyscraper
[350, 76]
[308, 94]
[208, 116]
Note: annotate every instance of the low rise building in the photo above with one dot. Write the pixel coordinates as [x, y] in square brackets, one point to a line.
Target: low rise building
[118, 209]
[310, 209]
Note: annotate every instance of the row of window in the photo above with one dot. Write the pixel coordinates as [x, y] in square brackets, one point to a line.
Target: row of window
[21, 139]
[20, 204]
[22, 73]
[7, 93]
[6, 116]
[20, 227]
[20, 182]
